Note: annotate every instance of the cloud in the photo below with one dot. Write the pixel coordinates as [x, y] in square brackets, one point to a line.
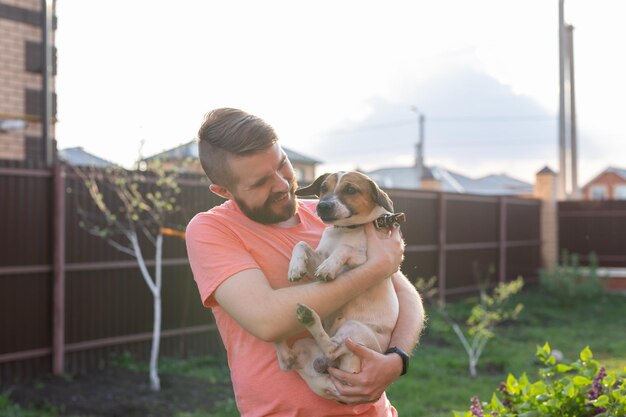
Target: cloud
[472, 121]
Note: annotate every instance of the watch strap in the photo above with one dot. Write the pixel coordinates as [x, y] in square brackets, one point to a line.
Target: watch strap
[403, 355]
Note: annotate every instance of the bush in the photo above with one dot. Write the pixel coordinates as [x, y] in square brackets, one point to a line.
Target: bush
[569, 282]
[580, 389]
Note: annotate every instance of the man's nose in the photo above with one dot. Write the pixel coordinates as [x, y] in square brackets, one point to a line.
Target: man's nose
[281, 183]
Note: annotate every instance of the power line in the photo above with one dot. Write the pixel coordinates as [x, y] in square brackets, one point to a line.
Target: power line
[459, 119]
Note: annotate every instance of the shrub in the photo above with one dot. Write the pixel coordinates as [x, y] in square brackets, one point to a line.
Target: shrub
[484, 317]
[582, 388]
[569, 282]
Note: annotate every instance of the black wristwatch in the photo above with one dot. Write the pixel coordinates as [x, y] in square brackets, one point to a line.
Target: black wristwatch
[403, 356]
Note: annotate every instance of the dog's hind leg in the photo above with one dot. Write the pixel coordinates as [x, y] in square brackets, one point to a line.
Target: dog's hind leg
[313, 323]
[286, 356]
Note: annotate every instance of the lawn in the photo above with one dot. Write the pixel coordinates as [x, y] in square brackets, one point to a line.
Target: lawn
[438, 380]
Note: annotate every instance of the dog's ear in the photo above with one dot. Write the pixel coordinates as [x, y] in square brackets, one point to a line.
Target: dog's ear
[381, 197]
[313, 189]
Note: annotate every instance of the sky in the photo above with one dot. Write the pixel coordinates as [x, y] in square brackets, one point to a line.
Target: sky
[338, 79]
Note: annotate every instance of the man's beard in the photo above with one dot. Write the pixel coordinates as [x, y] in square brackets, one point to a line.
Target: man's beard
[265, 214]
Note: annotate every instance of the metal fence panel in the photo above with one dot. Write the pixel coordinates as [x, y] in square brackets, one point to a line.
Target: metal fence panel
[108, 308]
[598, 227]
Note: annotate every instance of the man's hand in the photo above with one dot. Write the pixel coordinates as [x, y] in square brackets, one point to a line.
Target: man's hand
[385, 249]
[378, 371]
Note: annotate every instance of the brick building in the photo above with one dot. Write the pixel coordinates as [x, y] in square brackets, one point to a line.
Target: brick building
[610, 184]
[22, 69]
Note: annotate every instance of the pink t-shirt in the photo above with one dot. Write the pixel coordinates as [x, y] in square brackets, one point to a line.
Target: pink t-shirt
[223, 242]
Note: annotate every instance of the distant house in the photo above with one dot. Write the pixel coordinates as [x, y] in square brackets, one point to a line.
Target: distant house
[79, 157]
[441, 179]
[185, 158]
[610, 184]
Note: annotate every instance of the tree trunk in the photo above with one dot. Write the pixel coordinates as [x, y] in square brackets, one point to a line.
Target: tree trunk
[155, 383]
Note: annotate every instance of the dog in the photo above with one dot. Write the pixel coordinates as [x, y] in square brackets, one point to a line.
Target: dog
[348, 201]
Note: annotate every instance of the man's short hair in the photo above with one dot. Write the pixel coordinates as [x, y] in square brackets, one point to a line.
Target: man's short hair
[226, 132]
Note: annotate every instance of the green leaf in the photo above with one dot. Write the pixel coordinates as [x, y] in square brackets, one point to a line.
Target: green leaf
[563, 368]
[496, 405]
[601, 401]
[586, 354]
[511, 384]
[581, 381]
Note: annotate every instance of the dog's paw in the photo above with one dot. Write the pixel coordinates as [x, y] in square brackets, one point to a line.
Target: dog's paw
[297, 271]
[327, 271]
[304, 315]
[295, 277]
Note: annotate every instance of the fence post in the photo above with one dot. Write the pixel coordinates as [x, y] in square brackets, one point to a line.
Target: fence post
[442, 248]
[58, 302]
[502, 240]
[546, 189]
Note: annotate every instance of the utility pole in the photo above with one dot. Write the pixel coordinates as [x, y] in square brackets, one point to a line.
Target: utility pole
[48, 10]
[568, 149]
[562, 145]
[419, 154]
[575, 192]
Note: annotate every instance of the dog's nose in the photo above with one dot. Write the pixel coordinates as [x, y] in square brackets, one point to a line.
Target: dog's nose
[324, 208]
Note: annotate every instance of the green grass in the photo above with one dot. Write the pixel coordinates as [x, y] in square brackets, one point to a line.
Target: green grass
[439, 382]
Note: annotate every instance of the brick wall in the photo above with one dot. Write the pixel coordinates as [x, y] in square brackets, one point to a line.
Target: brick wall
[607, 179]
[19, 27]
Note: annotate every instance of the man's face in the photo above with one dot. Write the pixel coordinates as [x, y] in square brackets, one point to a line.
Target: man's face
[265, 185]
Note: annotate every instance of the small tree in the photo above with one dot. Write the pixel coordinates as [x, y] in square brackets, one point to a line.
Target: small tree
[484, 316]
[136, 209]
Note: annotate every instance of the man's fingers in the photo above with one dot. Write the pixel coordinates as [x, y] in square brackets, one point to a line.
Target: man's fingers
[358, 349]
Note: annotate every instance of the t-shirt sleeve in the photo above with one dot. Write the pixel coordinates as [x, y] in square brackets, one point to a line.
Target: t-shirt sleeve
[215, 254]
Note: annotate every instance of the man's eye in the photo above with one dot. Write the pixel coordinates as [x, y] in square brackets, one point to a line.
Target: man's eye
[350, 190]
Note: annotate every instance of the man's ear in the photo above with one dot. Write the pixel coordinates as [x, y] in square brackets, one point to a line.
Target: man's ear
[313, 189]
[221, 191]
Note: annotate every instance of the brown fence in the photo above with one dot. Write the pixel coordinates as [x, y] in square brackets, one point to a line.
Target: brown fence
[108, 309]
[458, 237]
[107, 306]
[598, 227]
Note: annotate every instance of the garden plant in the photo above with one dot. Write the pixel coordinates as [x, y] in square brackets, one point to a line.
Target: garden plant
[582, 388]
[490, 311]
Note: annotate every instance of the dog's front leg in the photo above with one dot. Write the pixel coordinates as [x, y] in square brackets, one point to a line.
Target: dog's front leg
[301, 257]
[342, 256]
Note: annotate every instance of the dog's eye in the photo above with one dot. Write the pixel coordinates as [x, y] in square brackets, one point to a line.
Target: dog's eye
[350, 190]
[323, 189]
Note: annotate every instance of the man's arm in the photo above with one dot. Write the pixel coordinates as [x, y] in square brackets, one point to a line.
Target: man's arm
[269, 313]
[378, 371]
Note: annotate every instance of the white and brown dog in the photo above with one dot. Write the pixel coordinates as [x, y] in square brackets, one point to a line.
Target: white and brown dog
[348, 201]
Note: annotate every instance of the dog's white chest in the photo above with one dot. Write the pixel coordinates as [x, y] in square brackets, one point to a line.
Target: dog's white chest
[334, 237]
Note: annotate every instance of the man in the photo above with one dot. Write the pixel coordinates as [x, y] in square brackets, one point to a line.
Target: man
[239, 253]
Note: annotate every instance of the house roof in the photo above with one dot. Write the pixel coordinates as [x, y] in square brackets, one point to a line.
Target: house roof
[190, 150]
[407, 178]
[619, 171]
[77, 156]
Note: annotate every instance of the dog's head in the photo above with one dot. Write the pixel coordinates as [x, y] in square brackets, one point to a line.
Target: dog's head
[348, 198]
